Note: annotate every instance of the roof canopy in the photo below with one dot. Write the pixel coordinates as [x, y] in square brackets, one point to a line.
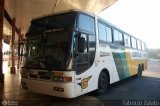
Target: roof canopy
[25, 10]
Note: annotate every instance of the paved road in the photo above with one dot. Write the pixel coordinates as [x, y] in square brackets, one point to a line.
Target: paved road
[153, 69]
[133, 90]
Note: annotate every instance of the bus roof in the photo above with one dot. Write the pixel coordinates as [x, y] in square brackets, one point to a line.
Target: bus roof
[62, 12]
[80, 11]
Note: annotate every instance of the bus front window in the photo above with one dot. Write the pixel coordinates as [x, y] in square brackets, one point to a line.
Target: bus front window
[51, 51]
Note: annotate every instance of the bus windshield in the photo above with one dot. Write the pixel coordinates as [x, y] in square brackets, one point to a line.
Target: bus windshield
[66, 20]
[51, 51]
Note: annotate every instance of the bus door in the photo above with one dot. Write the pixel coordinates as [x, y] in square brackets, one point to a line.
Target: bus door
[82, 63]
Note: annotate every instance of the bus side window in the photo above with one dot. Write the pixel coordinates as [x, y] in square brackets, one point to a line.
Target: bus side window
[118, 37]
[134, 44]
[145, 46]
[139, 44]
[109, 34]
[105, 33]
[127, 40]
[102, 32]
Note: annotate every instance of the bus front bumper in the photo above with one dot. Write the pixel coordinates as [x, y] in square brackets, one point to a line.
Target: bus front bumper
[65, 90]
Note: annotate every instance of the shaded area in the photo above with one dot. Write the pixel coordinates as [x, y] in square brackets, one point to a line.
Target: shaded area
[133, 88]
[36, 8]
[144, 88]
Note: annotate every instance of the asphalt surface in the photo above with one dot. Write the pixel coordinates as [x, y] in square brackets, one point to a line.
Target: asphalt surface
[133, 91]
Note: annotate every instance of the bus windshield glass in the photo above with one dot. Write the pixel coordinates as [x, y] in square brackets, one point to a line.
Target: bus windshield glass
[49, 51]
[65, 20]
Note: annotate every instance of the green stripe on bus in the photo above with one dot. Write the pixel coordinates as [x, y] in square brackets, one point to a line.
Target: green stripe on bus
[121, 62]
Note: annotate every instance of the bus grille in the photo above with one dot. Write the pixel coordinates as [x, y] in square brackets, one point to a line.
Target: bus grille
[33, 76]
[42, 77]
[45, 77]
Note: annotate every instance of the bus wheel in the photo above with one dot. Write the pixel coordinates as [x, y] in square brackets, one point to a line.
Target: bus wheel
[102, 83]
[139, 71]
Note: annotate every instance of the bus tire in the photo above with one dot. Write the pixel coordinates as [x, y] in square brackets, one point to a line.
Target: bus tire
[102, 83]
[139, 71]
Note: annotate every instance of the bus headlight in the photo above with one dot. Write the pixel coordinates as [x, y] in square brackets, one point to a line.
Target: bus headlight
[58, 89]
[60, 77]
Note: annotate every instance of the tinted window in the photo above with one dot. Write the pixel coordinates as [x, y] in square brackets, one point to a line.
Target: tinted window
[118, 38]
[109, 34]
[51, 22]
[139, 44]
[86, 22]
[92, 48]
[127, 40]
[105, 33]
[134, 44]
[54, 49]
[102, 32]
[82, 58]
[145, 46]
[142, 45]
[84, 36]
[85, 60]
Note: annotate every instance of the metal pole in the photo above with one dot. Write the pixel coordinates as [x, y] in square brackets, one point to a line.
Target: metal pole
[1, 38]
[19, 50]
[13, 69]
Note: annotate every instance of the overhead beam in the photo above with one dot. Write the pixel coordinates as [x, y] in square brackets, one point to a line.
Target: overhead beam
[1, 38]
[9, 19]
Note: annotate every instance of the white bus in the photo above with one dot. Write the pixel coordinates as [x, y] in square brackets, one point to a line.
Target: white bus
[72, 53]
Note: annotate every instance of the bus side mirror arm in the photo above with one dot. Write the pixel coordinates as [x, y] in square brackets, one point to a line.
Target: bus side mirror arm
[76, 53]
